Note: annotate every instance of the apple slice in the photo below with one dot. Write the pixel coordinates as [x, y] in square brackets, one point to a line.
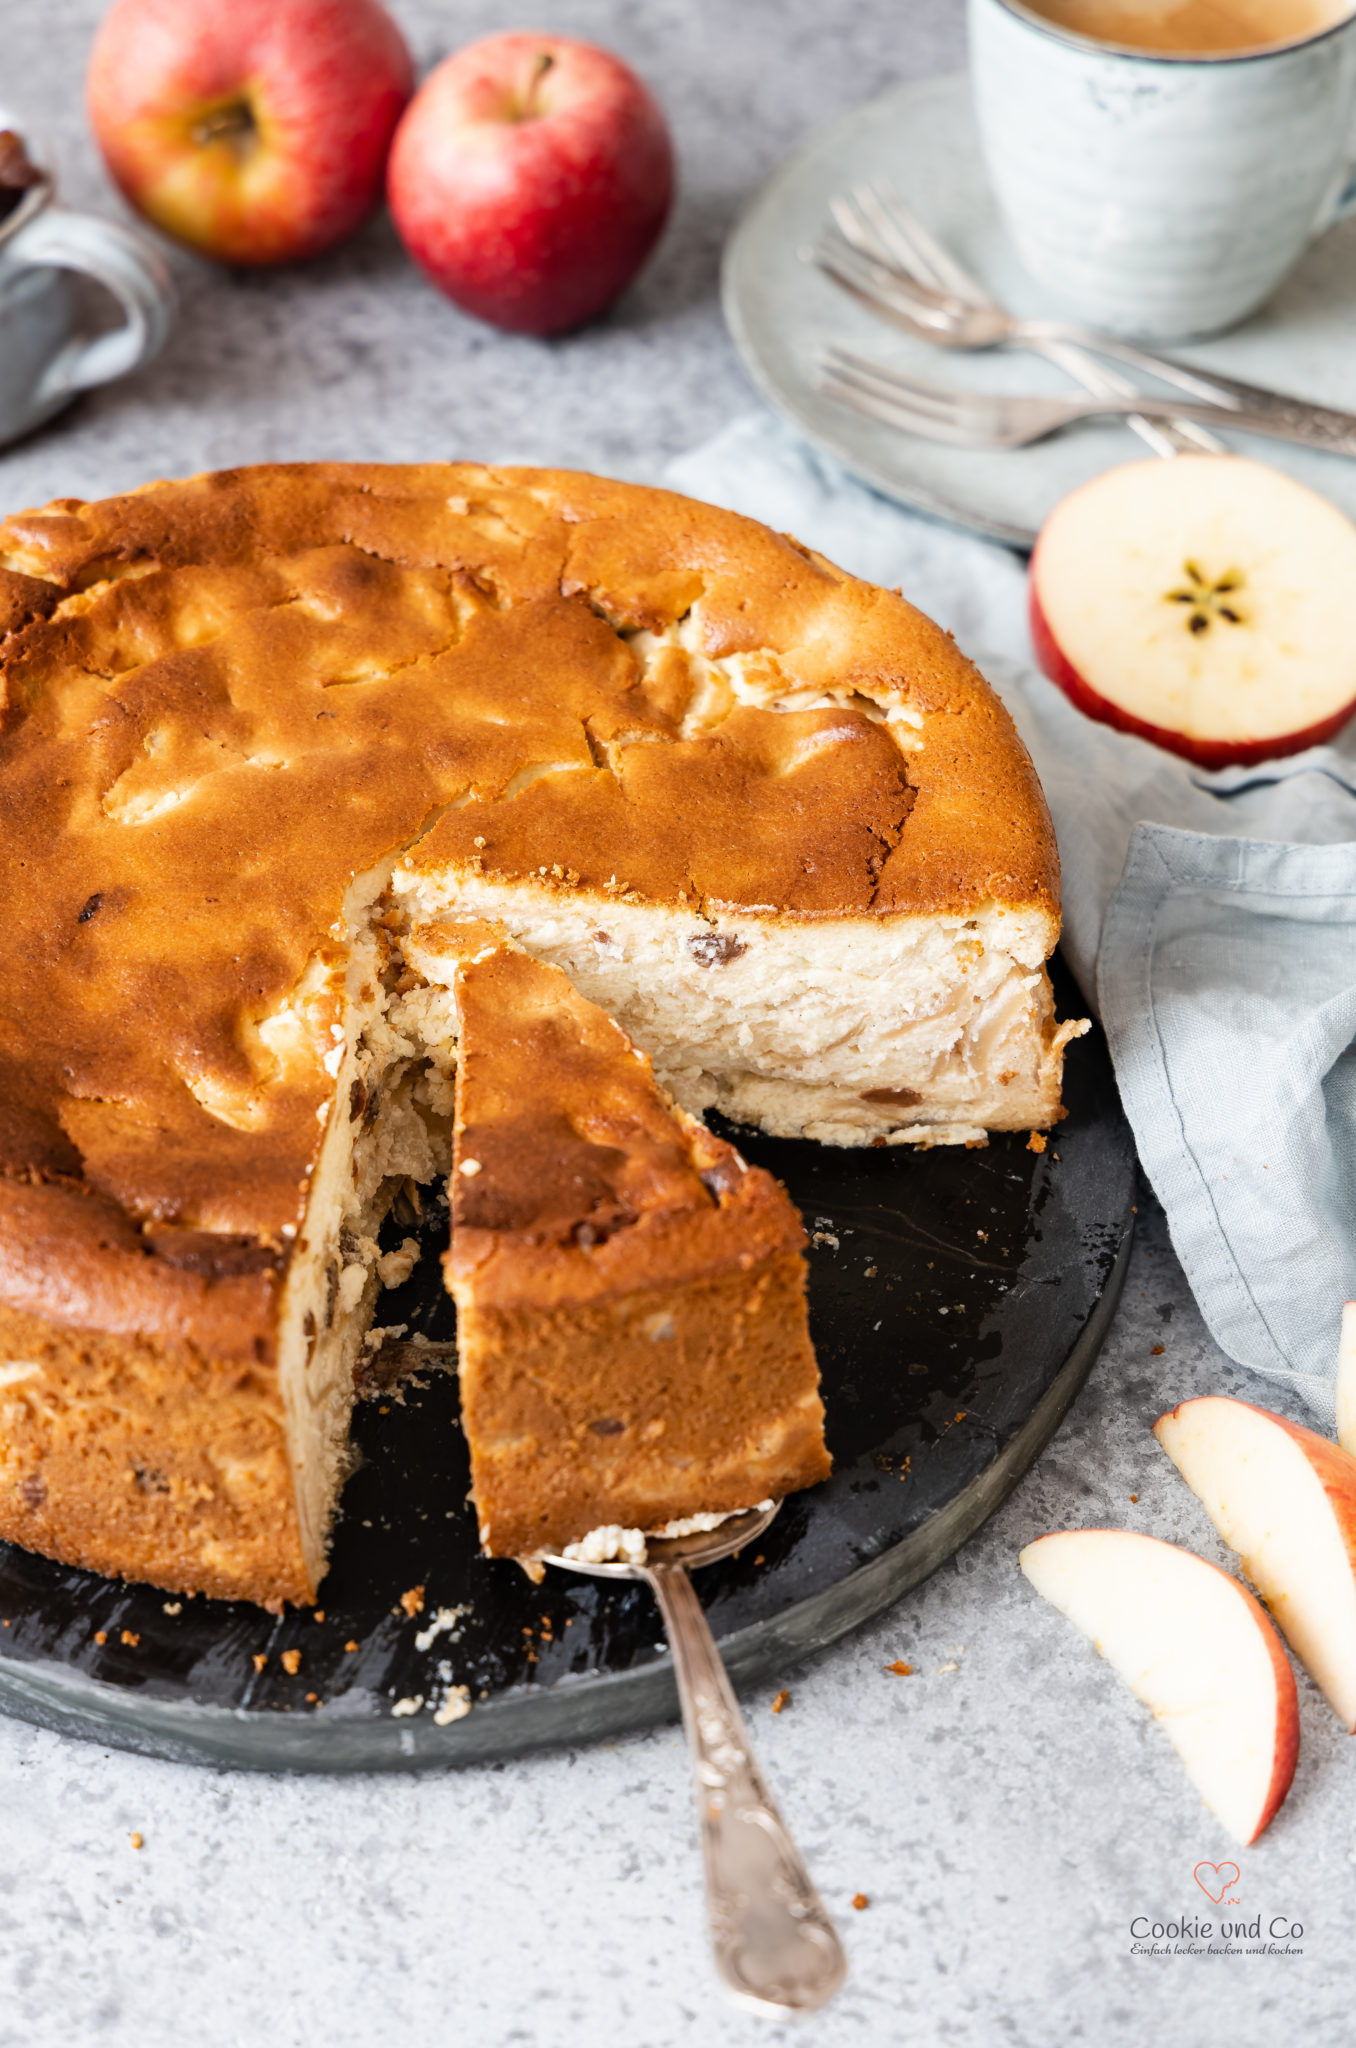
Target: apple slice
[1196, 1648]
[1346, 1379]
[1207, 603]
[1284, 1498]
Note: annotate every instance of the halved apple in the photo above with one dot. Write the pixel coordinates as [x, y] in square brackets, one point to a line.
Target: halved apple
[1196, 1648]
[1284, 1498]
[1207, 603]
[1346, 1379]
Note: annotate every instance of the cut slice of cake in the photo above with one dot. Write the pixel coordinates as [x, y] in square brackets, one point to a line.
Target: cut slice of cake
[631, 1321]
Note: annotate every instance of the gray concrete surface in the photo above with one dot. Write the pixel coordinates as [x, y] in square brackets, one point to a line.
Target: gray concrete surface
[1006, 1819]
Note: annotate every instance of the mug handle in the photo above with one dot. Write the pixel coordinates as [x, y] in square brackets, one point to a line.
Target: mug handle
[126, 265]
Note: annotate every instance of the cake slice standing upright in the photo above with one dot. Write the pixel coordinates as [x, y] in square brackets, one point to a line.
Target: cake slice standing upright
[631, 1318]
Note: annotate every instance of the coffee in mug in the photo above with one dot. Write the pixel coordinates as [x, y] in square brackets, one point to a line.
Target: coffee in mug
[1157, 190]
[1194, 28]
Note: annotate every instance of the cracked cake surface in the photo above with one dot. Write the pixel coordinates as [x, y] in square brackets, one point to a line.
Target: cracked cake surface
[261, 726]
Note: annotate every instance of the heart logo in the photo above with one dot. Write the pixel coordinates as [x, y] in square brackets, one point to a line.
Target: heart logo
[1215, 1879]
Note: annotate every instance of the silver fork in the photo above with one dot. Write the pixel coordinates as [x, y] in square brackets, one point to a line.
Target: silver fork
[929, 293]
[775, 1947]
[971, 419]
[895, 266]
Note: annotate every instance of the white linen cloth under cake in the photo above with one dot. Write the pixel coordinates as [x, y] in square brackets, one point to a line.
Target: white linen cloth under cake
[1210, 919]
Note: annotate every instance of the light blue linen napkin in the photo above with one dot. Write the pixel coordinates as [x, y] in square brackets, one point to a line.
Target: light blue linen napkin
[1209, 918]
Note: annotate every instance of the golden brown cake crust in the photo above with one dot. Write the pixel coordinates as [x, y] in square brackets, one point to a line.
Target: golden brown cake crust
[631, 1323]
[224, 699]
[265, 681]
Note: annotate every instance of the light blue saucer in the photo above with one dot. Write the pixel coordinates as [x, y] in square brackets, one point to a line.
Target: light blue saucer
[921, 139]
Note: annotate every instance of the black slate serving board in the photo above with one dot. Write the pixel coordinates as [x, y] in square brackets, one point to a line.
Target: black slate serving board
[958, 1299]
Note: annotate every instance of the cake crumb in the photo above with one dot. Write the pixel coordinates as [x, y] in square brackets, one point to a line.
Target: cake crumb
[445, 1619]
[1134, 1499]
[900, 1668]
[411, 1705]
[350, 1647]
[174, 1607]
[291, 1662]
[456, 1705]
[100, 1635]
[313, 1699]
[319, 1614]
[130, 1639]
[1036, 1142]
[138, 1841]
[259, 1660]
[783, 1699]
[396, 1267]
[413, 1601]
[860, 1902]
[943, 1669]
[1157, 1351]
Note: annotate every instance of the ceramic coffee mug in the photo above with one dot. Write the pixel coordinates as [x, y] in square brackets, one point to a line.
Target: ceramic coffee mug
[1161, 197]
[44, 362]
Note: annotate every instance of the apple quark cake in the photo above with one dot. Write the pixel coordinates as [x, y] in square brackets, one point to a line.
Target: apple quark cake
[731, 830]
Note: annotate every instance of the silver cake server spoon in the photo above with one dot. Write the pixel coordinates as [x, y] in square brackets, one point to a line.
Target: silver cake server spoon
[776, 1949]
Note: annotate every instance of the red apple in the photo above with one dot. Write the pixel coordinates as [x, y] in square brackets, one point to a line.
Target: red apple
[254, 131]
[1284, 1498]
[1196, 1648]
[1207, 603]
[530, 178]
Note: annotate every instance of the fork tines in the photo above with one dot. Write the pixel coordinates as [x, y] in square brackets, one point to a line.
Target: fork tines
[877, 223]
[872, 281]
[893, 399]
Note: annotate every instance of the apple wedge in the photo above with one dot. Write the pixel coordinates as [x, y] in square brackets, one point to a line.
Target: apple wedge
[1196, 1648]
[1207, 603]
[1346, 1379]
[1284, 1498]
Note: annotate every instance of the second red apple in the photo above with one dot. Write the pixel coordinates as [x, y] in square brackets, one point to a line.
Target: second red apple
[530, 178]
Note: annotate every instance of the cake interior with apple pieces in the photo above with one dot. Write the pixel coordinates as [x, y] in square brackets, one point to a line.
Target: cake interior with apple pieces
[262, 728]
[631, 1322]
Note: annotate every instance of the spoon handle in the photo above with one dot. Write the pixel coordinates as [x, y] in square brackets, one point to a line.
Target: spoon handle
[775, 1947]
